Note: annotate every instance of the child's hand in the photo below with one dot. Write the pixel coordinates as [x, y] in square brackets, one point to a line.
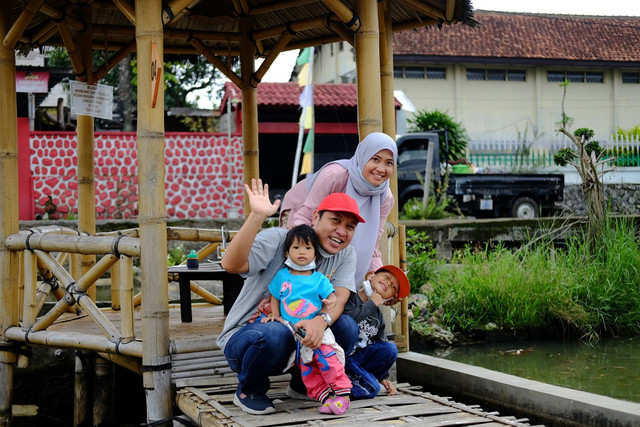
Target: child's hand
[391, 390]
[377, 299]
[270, 318]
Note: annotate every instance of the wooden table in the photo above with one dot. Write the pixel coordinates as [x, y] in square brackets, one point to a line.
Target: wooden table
[231, 285]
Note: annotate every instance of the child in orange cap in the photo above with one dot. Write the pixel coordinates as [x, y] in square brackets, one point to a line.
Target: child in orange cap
[368, 366]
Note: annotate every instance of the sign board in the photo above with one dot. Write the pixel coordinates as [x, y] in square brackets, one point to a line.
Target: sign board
[91, 100]
[32, 81]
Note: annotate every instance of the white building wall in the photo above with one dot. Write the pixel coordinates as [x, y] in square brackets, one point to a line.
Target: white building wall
[492, 108]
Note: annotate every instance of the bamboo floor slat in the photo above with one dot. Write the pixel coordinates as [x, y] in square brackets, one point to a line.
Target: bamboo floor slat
[213, 406]
[205, 385]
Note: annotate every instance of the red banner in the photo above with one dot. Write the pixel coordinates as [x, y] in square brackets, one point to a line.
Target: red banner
[32, 81]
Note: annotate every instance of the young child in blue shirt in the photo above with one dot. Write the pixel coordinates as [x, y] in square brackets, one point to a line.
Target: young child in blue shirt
[298, 292]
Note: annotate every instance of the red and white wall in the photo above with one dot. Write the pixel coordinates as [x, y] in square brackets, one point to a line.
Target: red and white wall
[203, 174]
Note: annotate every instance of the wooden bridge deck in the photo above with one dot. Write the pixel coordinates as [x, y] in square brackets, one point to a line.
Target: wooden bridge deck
[205, 385]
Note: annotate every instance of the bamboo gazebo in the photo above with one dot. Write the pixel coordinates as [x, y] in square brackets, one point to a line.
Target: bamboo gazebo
[220, 31]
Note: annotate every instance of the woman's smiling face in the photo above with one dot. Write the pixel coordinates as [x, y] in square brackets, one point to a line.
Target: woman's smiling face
[379, 168]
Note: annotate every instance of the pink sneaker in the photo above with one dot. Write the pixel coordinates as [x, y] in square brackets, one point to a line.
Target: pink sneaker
[339, 405]
[326, 406]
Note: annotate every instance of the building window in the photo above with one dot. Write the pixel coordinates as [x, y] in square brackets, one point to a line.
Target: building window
[341, 46]
[517, 75]
[555, 76]
[475, 74]
[397, 73]
[631, 78]
[437, 73]
[331, 49]
[496, 74]
[414, 72]
[576, 76]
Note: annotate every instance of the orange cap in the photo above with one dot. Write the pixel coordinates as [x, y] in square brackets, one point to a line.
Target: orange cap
[403, 281]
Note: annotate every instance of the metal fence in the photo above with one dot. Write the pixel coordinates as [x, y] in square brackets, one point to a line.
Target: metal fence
[515, 153]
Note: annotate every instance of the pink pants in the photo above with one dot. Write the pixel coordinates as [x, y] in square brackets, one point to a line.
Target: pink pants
[325, 374]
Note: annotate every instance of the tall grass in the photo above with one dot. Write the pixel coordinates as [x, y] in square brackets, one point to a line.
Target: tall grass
[541, 286]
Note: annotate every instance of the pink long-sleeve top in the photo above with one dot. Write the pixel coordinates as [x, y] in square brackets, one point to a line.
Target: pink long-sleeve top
[332, 179]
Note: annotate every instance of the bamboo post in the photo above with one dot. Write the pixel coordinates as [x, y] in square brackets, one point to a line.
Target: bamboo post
[126, 298]
[30, 289]
[388, 106]
[82, 389]
[103, 386]
[368, 69]
[251, 153]
[403, 344]
[86, 145]
[116, 285]
[8, 214]
[152, 213]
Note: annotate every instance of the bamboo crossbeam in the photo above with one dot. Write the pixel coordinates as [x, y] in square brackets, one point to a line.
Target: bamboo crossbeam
[115, 59]
[62, 257]
[20, 24]
[194, 410]
[174, 8]
[126, 299]
[342, 31]
[127, 10]
[424, 8]
[216, 62]
[95, 272]
[43, 36]
[54, 267]
[182, 13]
[179, 233]
[302, 25]
[57, 15]
[72, 51]
[98, 316]
[275, 51]
[171, 33]
[344, 13]
[53, 314]
[50, 286]
[278, 5]
[76, 341]
[449, 11]
[127, 362]
[74, 244]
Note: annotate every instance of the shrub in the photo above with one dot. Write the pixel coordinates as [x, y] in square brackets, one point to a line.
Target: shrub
[424, 121]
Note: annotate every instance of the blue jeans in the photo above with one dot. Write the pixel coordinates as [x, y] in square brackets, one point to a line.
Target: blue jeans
[260, 350]
[368, 366]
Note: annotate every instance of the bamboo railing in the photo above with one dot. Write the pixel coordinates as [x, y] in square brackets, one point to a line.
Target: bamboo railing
[50, 252]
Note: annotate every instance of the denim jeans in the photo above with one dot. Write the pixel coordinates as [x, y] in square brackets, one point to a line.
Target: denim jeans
[367, 366]
[260, 350]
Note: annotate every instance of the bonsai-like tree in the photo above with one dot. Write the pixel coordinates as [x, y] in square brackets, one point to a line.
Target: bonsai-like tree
[586, 157]
[425, 121]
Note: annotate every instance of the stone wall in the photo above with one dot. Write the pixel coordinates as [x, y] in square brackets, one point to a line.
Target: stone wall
[622, 199]
[203, 175]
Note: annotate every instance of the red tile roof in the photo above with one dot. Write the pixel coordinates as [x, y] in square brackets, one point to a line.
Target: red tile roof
[332, 95]
[528, 36]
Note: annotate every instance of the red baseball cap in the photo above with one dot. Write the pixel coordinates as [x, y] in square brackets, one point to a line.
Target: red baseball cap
[403, 281]
[340, 202]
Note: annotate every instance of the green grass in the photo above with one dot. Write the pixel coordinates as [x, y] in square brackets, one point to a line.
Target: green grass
[539, 286]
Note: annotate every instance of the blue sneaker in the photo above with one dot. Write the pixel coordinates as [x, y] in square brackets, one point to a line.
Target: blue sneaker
[256, 404]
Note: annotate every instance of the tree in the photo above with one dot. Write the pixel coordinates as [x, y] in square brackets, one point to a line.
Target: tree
[587, 159]
[424, 121]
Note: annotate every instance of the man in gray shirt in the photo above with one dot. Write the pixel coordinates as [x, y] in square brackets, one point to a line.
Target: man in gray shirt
[257, 350]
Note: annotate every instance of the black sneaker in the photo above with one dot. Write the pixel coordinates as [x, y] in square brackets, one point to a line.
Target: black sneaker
[255, 404]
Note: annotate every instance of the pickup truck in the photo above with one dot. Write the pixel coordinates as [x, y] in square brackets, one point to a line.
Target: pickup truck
[480, 195]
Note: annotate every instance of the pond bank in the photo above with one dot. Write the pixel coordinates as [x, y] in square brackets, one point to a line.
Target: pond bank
[540, 402]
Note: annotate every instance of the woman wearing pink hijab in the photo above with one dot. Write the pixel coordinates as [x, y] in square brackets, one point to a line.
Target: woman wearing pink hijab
[365, 177]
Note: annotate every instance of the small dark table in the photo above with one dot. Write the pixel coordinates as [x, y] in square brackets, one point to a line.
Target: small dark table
[231, 285]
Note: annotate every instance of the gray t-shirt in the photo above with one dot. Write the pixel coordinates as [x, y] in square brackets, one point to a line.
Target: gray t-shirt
[265, 260]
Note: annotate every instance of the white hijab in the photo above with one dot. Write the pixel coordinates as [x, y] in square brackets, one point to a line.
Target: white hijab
[369, 197]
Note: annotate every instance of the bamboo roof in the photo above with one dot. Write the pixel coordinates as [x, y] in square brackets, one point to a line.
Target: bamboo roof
[216, 24]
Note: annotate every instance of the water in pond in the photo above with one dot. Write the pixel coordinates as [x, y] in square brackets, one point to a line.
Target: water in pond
[610, 367]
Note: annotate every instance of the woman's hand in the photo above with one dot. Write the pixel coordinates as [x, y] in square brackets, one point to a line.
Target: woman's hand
[270, 318]
[391, 390]
[259, 199]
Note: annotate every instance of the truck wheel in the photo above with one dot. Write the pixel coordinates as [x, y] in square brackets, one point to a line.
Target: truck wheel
[524, 207]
